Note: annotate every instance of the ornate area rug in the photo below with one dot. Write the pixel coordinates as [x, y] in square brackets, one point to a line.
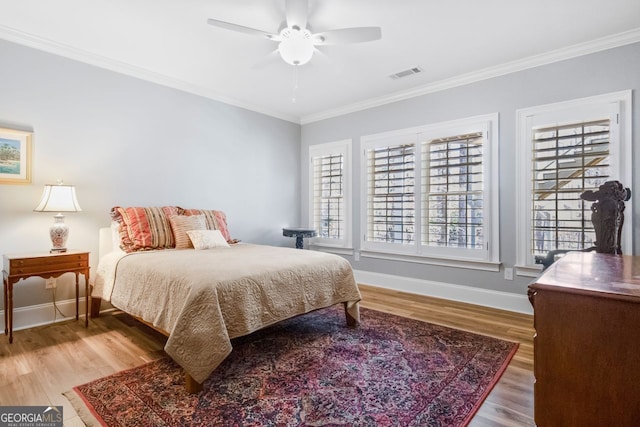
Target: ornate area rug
[314, 371]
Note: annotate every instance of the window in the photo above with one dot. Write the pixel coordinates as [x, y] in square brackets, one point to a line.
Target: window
[454, 191]
[328, 188]
[429, 192]
[564, 150]
[330, 208]
[391, 210]
[567, 160]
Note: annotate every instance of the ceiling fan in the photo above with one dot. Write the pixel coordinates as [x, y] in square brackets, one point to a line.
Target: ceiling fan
[296, 43]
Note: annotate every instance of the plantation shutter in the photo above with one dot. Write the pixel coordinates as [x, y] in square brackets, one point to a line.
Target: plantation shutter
[328, 197]
[453, 185]
[390, 188]
[566, 161]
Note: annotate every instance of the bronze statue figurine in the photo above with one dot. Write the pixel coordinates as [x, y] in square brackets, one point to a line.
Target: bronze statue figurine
[608, 215]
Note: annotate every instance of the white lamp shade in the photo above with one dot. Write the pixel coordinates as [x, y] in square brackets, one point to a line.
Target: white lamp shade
[58, 198]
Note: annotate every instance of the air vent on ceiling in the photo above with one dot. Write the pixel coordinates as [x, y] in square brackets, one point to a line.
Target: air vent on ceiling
[405, 73]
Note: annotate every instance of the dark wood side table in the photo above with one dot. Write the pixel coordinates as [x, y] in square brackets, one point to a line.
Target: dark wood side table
[299, 234]
[587, 343]
[45, 265]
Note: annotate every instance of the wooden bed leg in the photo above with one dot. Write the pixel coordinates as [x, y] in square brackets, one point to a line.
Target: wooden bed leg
[191, 385]
[95, 307]
[351, 322]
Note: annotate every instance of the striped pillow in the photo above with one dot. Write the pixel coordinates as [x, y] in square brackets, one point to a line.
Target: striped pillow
[144, 228]
[216, 220]
[180, 224]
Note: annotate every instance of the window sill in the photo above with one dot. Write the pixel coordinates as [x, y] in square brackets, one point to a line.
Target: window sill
[446, 262]
[528, 270]
[339, 250]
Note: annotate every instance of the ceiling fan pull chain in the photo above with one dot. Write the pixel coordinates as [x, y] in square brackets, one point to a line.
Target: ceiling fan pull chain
[295, 84]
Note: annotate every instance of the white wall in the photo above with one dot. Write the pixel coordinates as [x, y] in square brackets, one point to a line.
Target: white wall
[608, 71]
[123, 141]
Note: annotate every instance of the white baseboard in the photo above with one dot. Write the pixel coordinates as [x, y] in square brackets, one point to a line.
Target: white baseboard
[43, 314]
[478, 296]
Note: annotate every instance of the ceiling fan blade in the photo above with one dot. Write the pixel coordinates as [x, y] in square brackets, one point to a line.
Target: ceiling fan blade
[296, 12]
[242, 29]
[347, 35]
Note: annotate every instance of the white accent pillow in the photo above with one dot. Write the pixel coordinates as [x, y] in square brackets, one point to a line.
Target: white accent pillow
[207, 239]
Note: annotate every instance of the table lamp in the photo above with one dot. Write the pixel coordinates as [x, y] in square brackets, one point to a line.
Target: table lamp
[58, 198]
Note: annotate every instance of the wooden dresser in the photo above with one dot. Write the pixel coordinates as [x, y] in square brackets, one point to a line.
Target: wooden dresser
[587, 343]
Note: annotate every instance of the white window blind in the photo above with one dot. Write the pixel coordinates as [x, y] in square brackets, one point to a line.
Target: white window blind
[328, 196]
[390, 194]
[453, 185]
[566, 161]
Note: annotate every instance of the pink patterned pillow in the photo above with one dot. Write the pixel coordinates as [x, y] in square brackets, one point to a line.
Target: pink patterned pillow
[182, 224]
[144, 228]
[216, 220]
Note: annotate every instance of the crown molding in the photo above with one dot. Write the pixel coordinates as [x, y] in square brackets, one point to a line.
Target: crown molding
[61, 49]
[581, 49]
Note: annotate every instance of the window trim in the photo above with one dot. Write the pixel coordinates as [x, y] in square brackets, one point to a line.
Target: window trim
[618, 106]
[490, 182]
[418, 252]
[343, 147]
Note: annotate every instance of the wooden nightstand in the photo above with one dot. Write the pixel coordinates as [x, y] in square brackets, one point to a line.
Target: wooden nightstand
[45, 265]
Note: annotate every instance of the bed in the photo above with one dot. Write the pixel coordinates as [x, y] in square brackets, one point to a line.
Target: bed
[201, 299]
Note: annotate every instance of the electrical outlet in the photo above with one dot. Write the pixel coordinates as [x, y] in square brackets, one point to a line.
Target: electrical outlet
[50, 283]
[508, 273]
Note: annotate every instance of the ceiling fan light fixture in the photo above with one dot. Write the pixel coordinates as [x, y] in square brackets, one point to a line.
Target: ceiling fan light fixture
[296, 44]
[296, 47]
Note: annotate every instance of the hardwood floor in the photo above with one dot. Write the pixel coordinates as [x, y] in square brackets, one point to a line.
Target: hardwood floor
[44, 362]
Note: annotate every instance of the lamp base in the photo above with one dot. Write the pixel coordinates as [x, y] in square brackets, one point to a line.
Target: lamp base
[58, 233]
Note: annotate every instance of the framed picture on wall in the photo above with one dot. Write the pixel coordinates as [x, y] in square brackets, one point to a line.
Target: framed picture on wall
[15, 156]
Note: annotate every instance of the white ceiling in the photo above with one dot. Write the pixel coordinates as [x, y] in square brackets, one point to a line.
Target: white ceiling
[454, 41]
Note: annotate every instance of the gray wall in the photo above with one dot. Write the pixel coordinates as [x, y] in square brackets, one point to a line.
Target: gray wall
[603, 72]
[124, 141]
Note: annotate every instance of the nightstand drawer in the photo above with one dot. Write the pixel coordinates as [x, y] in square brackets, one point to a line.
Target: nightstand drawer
[58, 266]
[44, 262]
[36, 265]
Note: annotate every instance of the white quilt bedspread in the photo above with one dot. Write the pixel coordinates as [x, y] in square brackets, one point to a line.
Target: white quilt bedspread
[204, 298]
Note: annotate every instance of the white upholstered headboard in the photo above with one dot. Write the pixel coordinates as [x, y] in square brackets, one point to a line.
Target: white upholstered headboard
[105, 242]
